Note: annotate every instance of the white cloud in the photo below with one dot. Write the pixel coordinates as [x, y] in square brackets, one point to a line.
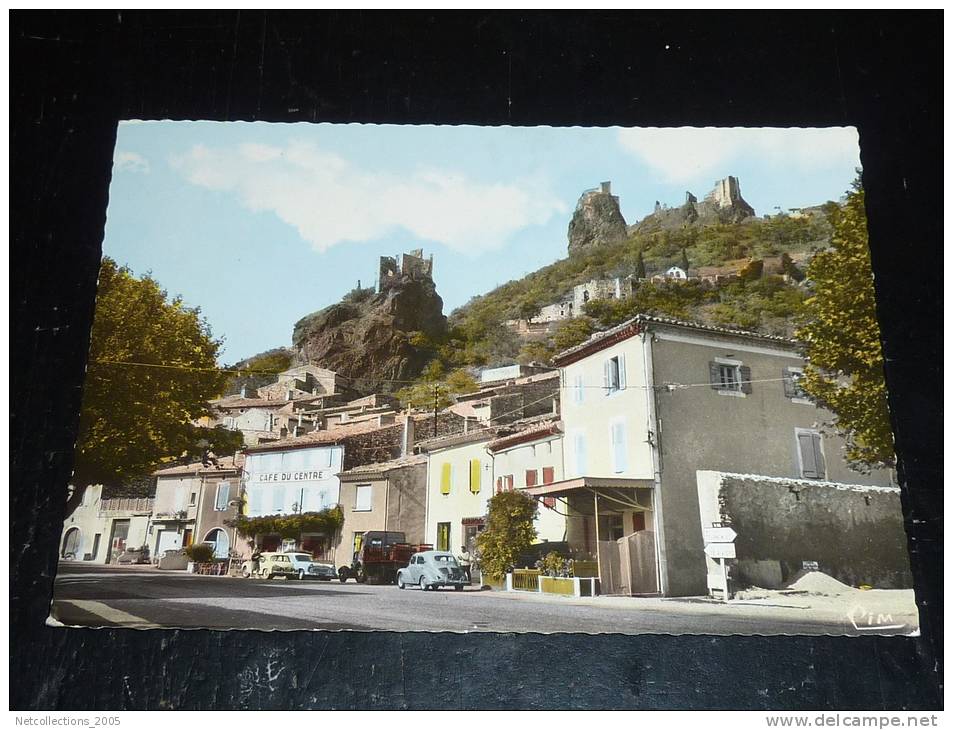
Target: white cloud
[691, 154]
[329, 200]
[125, 161]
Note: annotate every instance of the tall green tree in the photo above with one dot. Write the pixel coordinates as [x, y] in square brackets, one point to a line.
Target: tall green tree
[640, 266]
[840, 330]
[509, 532]
[150, 374]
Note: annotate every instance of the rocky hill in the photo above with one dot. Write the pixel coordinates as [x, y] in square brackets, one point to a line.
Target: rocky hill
[743, 271]
[596, 221]
[376, 336]
[723, 205]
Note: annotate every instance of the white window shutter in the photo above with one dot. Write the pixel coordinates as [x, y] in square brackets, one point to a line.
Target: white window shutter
[581, 455]
[605, 376]
[618, 447]
[621, 372]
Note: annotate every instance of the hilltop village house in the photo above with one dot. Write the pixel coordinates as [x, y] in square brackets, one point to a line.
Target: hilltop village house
[192, 504]
[307, 474]
[391, 495]
[465, 470]
[98, 529]
[649, 404]
[301, 400]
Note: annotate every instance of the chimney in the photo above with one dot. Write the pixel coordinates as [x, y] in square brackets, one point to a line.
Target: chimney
[407, 439]
[606, 187]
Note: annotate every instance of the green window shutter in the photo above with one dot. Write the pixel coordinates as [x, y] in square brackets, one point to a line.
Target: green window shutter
[445, 472]
[819, 465]
[475, 476]
[745, 374]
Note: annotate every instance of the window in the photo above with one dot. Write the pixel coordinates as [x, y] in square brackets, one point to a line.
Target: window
[446, 477]
[578, 391]
[256, 506]
[475, 468]
[508, 482]
[810, 453]
[530, 477]
[792, 385]
[614, 374]
[729, 377]
[617, 439]
[362, 498]
[443, 536]
[221, 497]
[638, 521]
[549, 475]
[278, 498]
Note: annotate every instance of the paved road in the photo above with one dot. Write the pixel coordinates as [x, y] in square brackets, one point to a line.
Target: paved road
[142, 597]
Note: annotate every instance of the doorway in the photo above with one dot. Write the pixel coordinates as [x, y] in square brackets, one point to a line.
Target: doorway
[117, 539]
[443, 536]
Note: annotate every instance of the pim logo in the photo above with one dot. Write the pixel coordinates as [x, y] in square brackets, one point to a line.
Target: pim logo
[864, 620]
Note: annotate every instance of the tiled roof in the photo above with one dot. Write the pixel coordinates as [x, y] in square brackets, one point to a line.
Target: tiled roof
[644, 319]
[323, 437]
[382, 466]
[530, 433]
[225, 464]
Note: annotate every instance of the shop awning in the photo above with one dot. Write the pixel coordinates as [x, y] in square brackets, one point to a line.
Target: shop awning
[615, 493]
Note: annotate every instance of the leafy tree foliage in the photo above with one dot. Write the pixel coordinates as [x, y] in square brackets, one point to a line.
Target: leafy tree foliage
[328, 521]
[136, 417]
[842, 337]
[259, 370]
[640, 266]
[509, 532]
[572, 332]
[437, 385]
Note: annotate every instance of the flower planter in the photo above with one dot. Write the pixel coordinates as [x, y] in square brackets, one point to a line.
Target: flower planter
[577, 587]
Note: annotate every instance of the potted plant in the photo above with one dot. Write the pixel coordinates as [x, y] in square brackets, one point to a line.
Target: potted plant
[198, 553]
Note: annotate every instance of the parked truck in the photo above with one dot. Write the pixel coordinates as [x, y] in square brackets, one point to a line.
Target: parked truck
[381, 555]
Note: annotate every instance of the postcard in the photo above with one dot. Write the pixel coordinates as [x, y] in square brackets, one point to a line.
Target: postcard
[485, 379]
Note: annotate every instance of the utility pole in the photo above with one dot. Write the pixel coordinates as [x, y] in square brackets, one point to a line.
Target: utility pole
[435, 410]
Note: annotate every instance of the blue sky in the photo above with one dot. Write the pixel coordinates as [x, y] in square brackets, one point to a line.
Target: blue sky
[260, 224]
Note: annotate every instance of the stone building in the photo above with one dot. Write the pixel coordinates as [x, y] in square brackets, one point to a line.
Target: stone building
[98, 529]
[387, 496]
[650, 404]
[192, 504]
[411, 265]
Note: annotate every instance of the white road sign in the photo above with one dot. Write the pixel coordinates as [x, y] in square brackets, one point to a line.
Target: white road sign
[720, 550]
[719, 534]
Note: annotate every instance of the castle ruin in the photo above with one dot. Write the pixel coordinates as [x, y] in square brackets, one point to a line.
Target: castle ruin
[411, 266]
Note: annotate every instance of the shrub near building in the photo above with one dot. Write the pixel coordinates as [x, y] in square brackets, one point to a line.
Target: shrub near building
[509, 532]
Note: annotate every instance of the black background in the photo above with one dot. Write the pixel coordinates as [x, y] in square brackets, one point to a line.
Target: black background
[75, 74]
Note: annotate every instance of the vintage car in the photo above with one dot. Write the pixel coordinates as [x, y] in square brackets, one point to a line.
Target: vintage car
[268, 565]
[134, 556]
[305, 567]
[432, 569]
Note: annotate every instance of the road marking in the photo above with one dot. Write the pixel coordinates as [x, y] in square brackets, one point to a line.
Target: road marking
[113, 615]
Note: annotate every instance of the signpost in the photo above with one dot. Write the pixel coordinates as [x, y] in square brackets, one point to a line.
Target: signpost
[720, 546]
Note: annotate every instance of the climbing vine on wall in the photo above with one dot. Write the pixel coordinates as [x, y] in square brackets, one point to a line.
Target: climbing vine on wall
[326, 521]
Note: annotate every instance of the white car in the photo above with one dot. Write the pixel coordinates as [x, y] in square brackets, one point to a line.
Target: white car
[305, 567]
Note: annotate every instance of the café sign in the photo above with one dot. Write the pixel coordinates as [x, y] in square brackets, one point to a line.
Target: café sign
[293, 476]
